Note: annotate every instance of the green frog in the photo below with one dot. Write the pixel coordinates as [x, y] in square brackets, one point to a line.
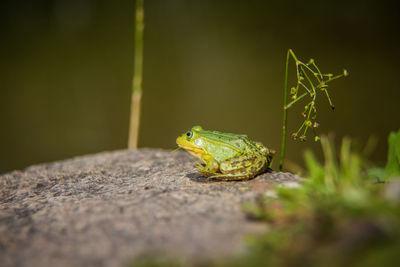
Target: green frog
[226, 156]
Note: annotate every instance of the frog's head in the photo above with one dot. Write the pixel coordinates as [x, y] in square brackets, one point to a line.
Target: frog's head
[192, 142]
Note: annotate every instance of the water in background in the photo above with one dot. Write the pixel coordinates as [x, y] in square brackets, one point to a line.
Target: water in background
[66, 70]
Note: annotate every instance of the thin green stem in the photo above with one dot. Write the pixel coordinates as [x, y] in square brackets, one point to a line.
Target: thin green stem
[296, 61]
[334, 78]
[329, 99]
[297, 99]
[293, 55]
[309, 80]
[305, 87]
[301, 127]
[307, 121]
[311, 70]
[285, 88]
[319, 72]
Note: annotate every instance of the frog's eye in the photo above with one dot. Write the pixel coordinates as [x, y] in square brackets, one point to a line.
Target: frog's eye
[189, 134]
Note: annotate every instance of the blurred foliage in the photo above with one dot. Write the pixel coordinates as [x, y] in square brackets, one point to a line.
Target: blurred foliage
[337, 217]
[393, 162]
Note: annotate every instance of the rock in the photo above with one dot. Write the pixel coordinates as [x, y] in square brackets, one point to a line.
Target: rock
[109, 208]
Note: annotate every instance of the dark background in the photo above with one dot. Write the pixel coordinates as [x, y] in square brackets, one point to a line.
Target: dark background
[66, 69]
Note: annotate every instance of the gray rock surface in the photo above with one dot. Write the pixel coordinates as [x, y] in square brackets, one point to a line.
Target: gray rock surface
[108, 208]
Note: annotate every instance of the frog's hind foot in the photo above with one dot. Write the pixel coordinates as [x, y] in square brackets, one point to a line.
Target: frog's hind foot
[232, 177]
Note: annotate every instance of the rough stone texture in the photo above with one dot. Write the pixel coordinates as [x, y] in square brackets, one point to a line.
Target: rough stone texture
[108, 208]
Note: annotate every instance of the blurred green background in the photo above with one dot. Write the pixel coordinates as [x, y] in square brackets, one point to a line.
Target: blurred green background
[66, 69]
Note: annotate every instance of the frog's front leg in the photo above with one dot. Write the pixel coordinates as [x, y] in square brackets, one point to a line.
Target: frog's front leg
[209, 168]
[241, 168]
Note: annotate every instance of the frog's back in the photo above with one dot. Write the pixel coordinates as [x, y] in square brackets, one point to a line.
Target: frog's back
[237, 142]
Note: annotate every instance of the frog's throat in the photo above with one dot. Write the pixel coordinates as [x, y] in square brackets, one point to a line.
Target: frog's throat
[195, 152]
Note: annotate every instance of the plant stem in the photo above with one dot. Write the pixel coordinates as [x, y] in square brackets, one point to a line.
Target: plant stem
[297, 99]
[137, 77]
[283, 147]
[312, 80]
[334, 78]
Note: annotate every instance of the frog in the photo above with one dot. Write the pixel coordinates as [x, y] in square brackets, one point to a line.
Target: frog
[226, 156]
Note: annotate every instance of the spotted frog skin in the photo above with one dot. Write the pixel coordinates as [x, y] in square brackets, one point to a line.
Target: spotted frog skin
[226, 156]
